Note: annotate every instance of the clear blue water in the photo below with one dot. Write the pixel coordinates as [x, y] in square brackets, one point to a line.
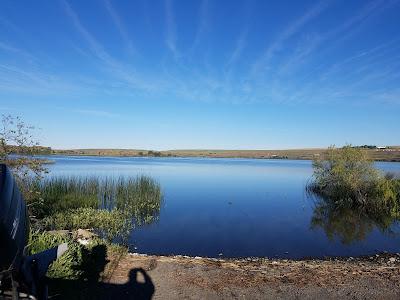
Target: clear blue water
[233, 208]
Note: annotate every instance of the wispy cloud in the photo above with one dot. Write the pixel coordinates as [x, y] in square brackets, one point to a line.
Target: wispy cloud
[304, 49]
[348, 74]
[280, 83]
[353, 24]
[239, 47]
[6, 23]
[247, 12]
[203, 23]
[33, 81]
[96, 48]
[171, 38]
[10, 48]
[290, 31]
[348, 28]
[120, 26]
[112, 65]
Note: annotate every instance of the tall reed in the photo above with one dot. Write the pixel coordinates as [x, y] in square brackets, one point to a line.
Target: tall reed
[70, 200]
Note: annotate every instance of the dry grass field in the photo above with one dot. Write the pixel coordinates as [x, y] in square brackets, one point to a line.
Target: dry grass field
[389, 154]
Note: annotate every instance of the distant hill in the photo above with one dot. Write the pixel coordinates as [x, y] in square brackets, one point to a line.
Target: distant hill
[35, 150]
[391, 153]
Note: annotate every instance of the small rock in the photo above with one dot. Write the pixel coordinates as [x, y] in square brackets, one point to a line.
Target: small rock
[220, 254]
[197, 257]
[84, 234]
[83, 242]
[392, 260]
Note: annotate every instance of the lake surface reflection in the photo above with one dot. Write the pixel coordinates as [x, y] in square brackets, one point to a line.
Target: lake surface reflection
[239, 208]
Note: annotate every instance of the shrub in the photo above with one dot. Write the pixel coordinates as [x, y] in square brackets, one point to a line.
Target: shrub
[344, 174]
[387, 196]
[79, 262]
[17, 149]
[68, 265]
[346, 178]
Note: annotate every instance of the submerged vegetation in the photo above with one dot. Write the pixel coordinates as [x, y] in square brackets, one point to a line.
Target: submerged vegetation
[352, 196]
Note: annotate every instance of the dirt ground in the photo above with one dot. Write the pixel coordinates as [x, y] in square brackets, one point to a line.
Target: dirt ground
[158, 277]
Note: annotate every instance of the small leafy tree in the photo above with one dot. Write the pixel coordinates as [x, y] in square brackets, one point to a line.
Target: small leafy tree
[353, 197]
[17, 146]
[348, 178]
[344, 174]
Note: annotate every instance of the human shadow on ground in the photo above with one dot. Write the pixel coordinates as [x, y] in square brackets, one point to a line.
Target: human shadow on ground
[139, 286]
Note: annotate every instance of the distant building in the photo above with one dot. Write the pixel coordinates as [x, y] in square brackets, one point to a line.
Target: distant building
[381, 147]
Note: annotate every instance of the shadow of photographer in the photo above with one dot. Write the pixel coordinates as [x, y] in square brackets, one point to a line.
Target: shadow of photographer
[91, 286]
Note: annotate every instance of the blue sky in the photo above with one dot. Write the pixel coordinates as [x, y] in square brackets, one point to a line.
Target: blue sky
[202, 74]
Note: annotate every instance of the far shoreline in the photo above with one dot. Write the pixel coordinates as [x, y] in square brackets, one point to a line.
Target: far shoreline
[389, 154]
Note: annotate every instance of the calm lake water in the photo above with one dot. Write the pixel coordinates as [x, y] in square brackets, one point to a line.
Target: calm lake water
[237, 208]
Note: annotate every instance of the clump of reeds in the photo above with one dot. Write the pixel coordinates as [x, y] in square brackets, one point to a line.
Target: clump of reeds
[58, 194]
[111, 206]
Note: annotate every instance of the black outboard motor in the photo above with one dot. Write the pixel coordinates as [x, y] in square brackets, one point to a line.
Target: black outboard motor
[19, 272]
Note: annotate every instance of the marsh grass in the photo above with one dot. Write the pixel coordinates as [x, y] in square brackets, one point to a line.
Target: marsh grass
[140, 197]
[111, 206]
[58, 194]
